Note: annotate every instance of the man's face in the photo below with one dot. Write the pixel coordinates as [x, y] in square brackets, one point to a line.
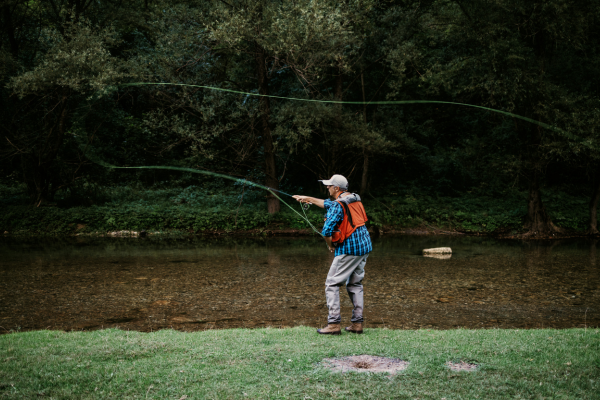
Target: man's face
[332, 190]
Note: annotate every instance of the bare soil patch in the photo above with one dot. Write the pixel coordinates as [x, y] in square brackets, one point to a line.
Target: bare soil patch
[365, 363]
[462, 366]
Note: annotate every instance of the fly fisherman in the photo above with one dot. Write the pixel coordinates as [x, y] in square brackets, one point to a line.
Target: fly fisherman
[345, 234]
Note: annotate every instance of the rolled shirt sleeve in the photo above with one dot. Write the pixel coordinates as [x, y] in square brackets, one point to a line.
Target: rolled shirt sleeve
[334, 216]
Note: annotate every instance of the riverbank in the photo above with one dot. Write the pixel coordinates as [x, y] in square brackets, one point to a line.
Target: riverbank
[123, 211]
[150, 220]
[287, 363]
[278, 231]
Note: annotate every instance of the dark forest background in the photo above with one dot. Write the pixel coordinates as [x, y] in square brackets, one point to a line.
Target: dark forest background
[62, 64]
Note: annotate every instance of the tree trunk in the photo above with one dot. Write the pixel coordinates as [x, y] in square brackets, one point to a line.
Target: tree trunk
[37, 164]
[331, 143]
[362, 83]
[538, 221]
[593, 210]
[365, 171]
[35, 175]
[271, 180]
[339, 93]
[363, 183]
[10, 31]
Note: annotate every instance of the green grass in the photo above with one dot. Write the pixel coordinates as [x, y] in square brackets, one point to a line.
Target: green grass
[284, 363]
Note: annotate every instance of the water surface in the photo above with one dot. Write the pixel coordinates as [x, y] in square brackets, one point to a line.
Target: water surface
[197, 283]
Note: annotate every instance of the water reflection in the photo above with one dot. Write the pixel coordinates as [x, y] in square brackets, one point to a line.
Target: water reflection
[197, 283]
[439, 256]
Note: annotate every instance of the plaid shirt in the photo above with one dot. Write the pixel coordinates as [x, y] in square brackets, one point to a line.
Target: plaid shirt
[357, 244]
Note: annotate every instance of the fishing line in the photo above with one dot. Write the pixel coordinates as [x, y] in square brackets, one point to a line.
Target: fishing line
[272, 190]
[385, 102]
[304, 207]
[209, 173]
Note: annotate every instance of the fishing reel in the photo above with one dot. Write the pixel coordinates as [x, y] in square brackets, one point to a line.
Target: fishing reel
[306, 206]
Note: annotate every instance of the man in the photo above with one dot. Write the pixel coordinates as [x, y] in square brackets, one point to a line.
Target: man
[345, 234]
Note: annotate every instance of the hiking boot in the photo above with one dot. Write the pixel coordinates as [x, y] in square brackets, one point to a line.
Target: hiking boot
[331, 329]
[356, 327]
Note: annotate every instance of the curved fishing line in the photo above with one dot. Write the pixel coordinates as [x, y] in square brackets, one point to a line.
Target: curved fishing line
[305, 216]
[209, 173]
[385, 102]
[193, 170]
[271, 190]
[307, 220]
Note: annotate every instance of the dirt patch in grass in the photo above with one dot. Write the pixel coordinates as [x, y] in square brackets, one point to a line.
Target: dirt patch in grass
[462, 366]
[365, 363]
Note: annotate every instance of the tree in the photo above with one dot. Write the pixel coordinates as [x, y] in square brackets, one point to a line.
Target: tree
[511, 54]
[302, 37]
[77, 65]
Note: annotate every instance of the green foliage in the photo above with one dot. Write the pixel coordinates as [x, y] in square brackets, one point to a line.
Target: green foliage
[304, 36]
[203, 210]
[193, 209]
[103, 219]
[61, 62]
[12, 194]
[473, 214]
[78, 59]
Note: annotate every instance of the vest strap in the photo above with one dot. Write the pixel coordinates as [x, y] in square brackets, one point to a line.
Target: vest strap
[348, 213]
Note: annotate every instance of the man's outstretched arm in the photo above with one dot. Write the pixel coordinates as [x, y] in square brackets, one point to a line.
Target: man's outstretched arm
[312, 200]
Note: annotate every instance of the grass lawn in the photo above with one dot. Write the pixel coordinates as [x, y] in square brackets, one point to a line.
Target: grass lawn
[284, 363]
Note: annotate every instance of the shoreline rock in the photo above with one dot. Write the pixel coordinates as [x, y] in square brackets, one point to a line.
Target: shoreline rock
[437, 250]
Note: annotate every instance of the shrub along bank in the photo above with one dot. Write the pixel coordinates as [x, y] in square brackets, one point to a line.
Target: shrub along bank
[285, 363]
[188, 211]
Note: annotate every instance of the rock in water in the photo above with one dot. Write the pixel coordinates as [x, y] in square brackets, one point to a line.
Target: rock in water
[438, 250]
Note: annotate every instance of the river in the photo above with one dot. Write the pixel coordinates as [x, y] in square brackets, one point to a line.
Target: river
[199, 283]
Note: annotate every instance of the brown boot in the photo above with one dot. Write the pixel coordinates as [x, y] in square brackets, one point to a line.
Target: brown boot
[331, 329]
[356, 327]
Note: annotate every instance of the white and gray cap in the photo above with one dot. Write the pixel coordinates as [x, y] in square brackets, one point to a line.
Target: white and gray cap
[336, 180]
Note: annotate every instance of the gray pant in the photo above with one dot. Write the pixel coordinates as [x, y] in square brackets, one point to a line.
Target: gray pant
[351, 271]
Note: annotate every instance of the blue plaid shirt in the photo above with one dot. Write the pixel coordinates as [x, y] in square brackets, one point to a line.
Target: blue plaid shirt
[357, 244]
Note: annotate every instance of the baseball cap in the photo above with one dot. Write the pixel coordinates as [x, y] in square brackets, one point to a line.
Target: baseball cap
[336, 180]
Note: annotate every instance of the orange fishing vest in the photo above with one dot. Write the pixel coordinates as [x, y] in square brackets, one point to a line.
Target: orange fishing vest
[354, 216]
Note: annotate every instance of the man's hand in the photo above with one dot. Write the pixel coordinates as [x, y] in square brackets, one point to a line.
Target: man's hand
[329, 244]
[301, 199]
[311, 200]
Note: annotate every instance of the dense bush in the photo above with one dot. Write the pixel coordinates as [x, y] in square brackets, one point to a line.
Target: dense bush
[195, 209]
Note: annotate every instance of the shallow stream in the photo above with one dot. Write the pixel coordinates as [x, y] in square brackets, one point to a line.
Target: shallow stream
[197, 283]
